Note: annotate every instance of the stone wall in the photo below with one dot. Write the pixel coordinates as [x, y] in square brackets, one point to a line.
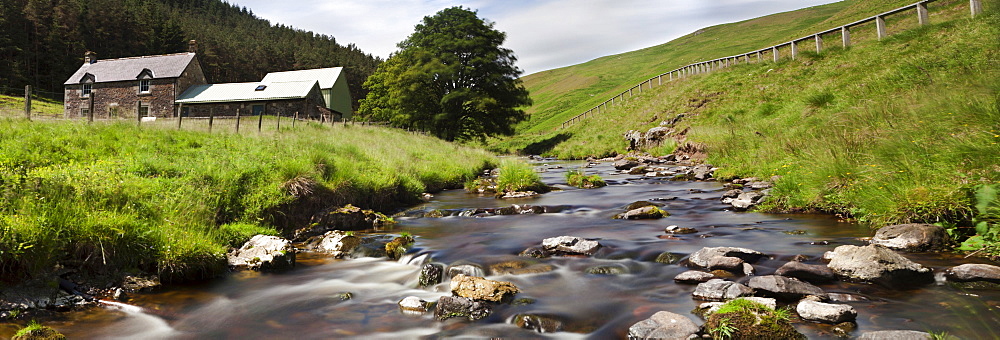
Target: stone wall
[120, 99]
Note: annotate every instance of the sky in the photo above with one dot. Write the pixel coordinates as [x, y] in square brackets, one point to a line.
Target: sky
[544, 34]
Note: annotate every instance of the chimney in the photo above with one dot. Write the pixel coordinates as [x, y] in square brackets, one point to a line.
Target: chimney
[193, 46]
[90, 57]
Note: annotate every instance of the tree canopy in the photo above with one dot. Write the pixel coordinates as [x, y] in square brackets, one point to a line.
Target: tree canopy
[451, 78]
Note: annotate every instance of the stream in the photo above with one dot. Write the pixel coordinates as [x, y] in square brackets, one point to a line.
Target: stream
[309, 301]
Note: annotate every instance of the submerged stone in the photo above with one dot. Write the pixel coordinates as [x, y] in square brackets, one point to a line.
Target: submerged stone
[478, 288]
[539, 323]
[663, 325]
[459, 307]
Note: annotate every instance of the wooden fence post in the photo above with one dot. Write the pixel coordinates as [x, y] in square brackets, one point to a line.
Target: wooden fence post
[237, 121]
[90, 107]
[211, 118]
[294, 119]
[180, 116]
[819, 43]
[976, 7]
[27, 102]
[922, 16]
[260, 119]
[845, 35]
[880, 26]
[278, 120]
[138, 115]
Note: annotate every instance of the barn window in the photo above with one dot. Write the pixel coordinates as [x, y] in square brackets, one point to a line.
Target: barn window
[144, 85]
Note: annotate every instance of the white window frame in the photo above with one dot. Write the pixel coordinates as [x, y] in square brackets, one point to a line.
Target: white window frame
[86, 89]
[148, 83]
[143, 106]
[84, 112]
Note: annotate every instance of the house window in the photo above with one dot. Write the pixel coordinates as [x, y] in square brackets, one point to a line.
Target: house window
[85, 89]
[144, 85]
[143, 110]
[84, 112]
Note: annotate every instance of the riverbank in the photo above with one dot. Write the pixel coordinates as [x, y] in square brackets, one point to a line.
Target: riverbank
[884, 132]
[107, 199]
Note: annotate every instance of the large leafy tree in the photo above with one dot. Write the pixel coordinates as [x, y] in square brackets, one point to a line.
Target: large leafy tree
[452, 78]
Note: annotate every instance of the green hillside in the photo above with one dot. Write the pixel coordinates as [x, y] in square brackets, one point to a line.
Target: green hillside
[109, 197]
[565, 92]
[900, 130]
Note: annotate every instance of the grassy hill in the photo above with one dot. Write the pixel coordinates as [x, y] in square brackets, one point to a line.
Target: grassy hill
[565, 92]
[900, 130]
[115, 197]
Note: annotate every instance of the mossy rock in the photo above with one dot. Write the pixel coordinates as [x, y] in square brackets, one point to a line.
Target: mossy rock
[397, 247]
[35, 331]
[745, 319]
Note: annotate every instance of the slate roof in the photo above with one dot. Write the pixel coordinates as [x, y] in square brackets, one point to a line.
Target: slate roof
[125, 69]
[243, 92]
[325, 76]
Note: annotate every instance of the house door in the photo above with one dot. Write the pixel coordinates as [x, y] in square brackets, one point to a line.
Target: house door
[258, 110]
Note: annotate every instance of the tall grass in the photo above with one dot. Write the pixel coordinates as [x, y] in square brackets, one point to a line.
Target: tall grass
[892, 131]
[118, 197]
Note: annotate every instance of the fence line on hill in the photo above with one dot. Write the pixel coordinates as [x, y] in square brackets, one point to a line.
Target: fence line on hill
[975, 8]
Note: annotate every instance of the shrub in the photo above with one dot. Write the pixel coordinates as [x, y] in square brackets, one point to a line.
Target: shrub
[516, 175]
[578, 178]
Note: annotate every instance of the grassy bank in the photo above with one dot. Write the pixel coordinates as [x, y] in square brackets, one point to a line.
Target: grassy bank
[116, 197]
[900, 130]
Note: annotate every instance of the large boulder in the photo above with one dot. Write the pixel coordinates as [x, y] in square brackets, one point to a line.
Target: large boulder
[973, 272]
[263, 253]
[813, 310]
[703, 257]
[430, 274]
[726, 263]
[720, 290]
[807, 272]
[338, 243]
[664, 325]
[877, 264]
[644, 213]
[783, 288]
[625, 164]
[702, 172]
[460, 307]
[693, 276]
[348, 217]
[570, 245]
[912, 237]
[746, 319]
[478, 288]
[746, 200]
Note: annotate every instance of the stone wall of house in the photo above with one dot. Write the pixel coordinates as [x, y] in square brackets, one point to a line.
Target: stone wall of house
[192, 75]
[121, 99]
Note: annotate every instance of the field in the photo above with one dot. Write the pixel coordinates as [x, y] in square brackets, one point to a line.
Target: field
[113, 196]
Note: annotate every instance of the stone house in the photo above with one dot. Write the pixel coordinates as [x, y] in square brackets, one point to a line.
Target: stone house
[303, 98]
[146, 86]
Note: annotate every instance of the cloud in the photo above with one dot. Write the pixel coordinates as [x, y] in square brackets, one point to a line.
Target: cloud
[544, 34]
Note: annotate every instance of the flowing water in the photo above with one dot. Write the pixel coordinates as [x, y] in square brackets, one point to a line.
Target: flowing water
[309, 302]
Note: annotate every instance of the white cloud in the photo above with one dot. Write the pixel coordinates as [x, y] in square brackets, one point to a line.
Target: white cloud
[544, 34]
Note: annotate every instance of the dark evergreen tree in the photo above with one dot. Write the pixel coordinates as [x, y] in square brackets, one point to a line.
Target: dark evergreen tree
[451, 77]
